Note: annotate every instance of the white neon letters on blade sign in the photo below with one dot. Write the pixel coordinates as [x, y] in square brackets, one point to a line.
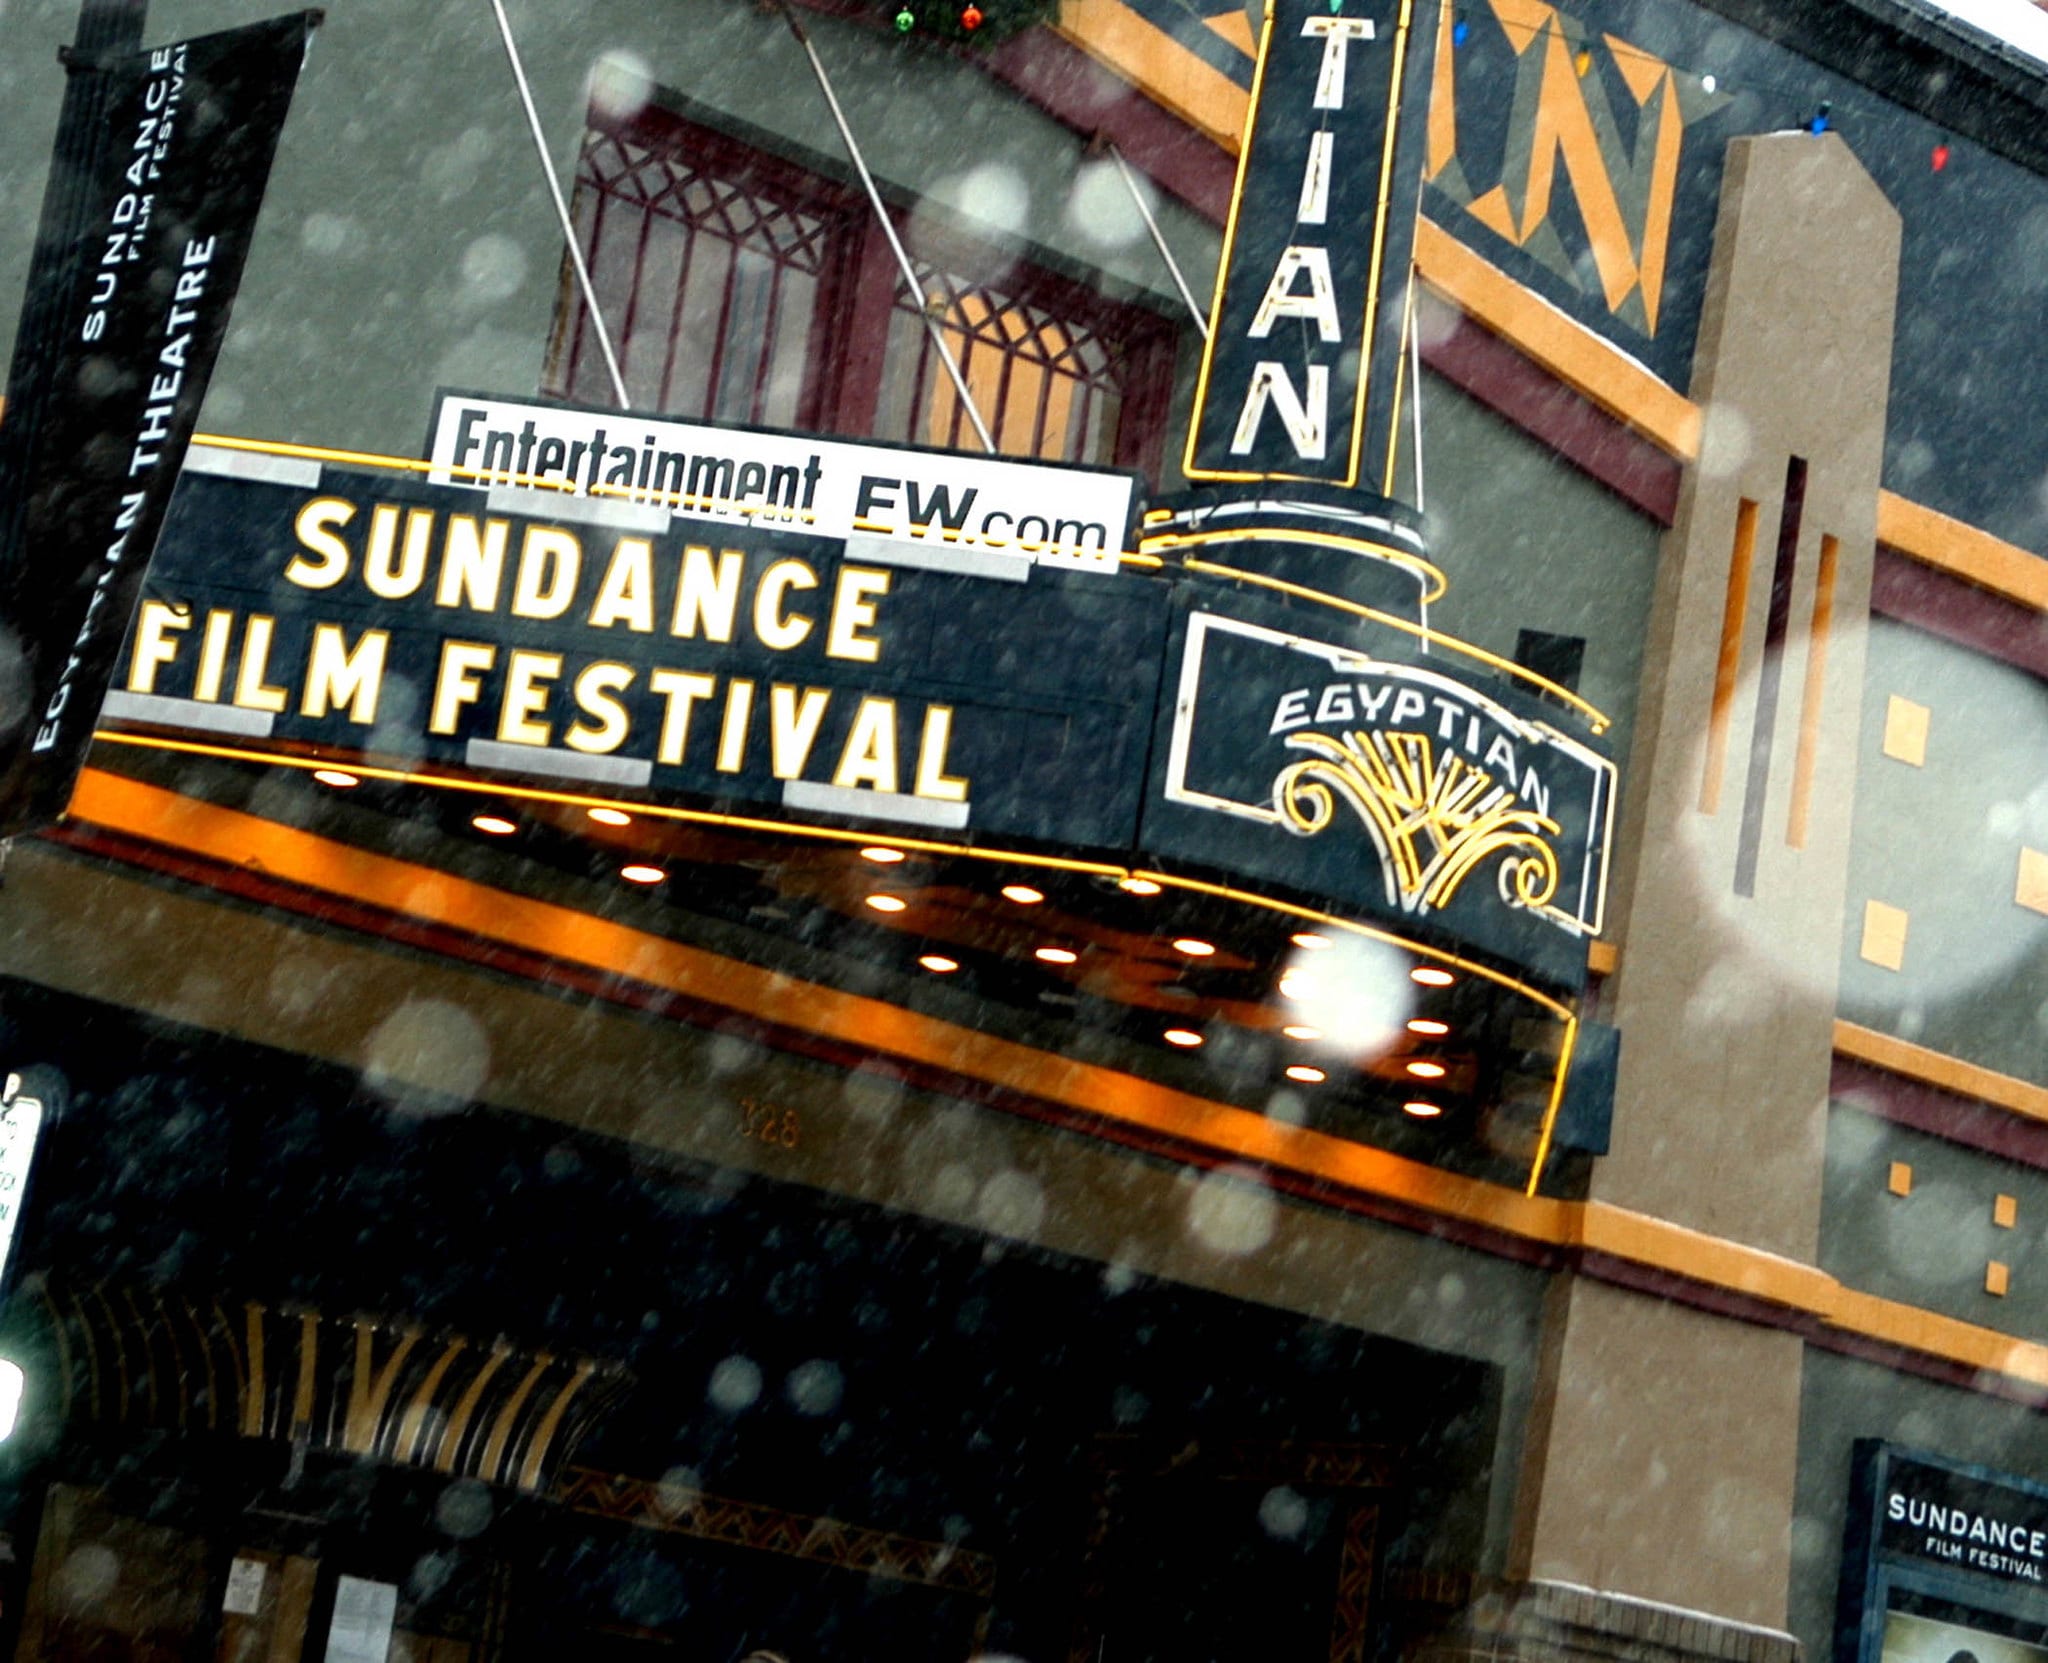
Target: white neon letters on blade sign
[1304, 415]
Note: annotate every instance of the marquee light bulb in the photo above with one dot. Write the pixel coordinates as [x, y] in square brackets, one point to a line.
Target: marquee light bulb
[1022, 893]
[1430, 976]
[493, 825]
[1186, 1038]
[336, 778]
[1056, 955]
[1195, 949]
[1306, 1075]
[1309, 942]
[609, 816]
[939, 964]
[1301, 1030]
[643, 874]
[1426, 1070]
[1428, 1025]
[1138, 886]
[1422, 1110]
[882, 856]
[887, 903]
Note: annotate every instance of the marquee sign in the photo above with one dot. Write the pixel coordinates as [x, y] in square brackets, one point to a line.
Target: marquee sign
[1300, 375]
[617, 648]
[1388, 781]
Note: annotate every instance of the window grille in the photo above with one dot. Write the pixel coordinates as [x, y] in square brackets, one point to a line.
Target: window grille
[740, 287]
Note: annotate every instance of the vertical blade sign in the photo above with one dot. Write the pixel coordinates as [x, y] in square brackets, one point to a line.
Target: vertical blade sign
[182, 165]
[1300, 379]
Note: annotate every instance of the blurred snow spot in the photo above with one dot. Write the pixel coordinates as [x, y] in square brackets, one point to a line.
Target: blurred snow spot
[493, 267]
[651, 1592]
[1356, 990]
[1436, 321]
[300, 985]
[1118, 1277]
[431, 1044]
[726, 1053]
[1283, 1513]
[1231, 1211]
[620, 85]
[735, 1384]
[327, 234]
[1099, 206]
[463, 1510]
[561, 1161]
[994, 193]
[87, 1575]
[1012, 1203]
[452, 170]
[953, 1189]
[1915, 459]
[430, 1573]
[1724, 440]
[1927, 1237]
[676, 1491]
[816, 1387]
[1129, 1405]
[1450, 1289]
[872, 1091]
[1290, 1108]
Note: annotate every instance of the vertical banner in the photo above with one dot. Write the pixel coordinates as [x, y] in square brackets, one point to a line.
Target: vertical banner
[190, 133]
[1301, 378]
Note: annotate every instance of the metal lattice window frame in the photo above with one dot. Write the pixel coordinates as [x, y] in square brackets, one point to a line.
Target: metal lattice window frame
[1061, 371]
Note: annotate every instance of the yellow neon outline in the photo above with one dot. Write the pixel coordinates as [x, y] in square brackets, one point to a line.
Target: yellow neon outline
[1379, 242]
[1599, 720]
[497, 476]
[1435, 583]
[1209, 338]
[1373, 271]
[1552, 1109]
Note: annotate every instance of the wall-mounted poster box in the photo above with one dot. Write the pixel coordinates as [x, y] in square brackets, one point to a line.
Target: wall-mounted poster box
[1942, 1563]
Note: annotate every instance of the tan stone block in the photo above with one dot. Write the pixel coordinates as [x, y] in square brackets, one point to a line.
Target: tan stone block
[1884, 935]
[1905, 731]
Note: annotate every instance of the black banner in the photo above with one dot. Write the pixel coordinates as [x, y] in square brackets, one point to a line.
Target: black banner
[181, 166]
[1301, 373]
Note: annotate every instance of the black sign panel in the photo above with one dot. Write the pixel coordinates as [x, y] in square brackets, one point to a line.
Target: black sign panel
[1943, 1517]
[181, 170]
[1301, 373]
[1388, 782]
[615, 650]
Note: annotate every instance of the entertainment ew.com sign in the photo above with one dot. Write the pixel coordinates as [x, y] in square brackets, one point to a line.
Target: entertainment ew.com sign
[1057, 515]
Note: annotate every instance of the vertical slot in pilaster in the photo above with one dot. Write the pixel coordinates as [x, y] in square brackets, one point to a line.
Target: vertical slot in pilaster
[1741, 556]
[1810, 702]
[1777, 624]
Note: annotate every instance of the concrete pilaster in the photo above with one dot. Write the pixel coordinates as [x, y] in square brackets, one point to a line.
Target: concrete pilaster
[1662, 1457]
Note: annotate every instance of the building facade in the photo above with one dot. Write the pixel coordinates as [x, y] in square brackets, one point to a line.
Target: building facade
[658, 1025]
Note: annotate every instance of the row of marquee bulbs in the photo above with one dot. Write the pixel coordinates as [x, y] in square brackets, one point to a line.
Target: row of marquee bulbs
[1187, 1039]
[1193, 947]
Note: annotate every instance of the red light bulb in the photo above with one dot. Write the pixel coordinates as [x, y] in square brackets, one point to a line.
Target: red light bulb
[970, 19]
[1940, 157]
